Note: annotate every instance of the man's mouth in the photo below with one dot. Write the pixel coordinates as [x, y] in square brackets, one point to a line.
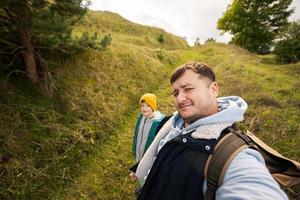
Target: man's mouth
[183, 106]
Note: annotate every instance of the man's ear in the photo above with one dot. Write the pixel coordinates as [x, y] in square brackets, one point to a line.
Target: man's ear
[215, 88]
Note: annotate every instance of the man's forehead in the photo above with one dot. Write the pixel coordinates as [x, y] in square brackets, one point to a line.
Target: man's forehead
[183, 85]
[187, 82]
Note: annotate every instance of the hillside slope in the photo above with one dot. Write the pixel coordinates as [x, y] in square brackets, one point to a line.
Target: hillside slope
[124, 31]
[49, 142]
[45, 135]
[271, 92]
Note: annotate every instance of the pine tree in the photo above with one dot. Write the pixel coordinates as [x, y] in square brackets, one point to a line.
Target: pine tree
[29, 27]
[255, 23]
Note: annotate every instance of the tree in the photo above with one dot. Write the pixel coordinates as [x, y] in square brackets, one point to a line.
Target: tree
[29, 27]
[161, 38]
[287, 48]
[255, 23]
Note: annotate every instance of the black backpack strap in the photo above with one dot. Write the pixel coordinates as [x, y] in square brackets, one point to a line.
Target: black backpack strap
[217, 164]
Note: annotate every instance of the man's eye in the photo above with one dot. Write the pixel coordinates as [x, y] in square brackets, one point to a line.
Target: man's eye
[188, 89]
[175, 94]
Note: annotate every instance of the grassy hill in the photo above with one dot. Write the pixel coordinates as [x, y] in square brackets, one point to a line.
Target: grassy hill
[75, 143]
[124, 31]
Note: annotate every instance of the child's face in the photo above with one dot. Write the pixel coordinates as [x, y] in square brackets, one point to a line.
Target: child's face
[146, 110]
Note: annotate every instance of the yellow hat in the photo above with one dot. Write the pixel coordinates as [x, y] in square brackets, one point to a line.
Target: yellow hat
[150, 99]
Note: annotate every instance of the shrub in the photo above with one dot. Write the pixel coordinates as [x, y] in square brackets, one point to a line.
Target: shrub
[161, 38]
[105, 42]
[287, 49]
[197, 42]
[88, 41]
[210, 40]
[160, 54]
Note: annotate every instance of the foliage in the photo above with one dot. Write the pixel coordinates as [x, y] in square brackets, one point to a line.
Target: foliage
[161, 38]
[210, 40]
[85, 41]
[124, 31]
[31, 29]
[287, 48]
[160, 54]
[72, 146]
[255, 23]
[105, 42]
[44, 142]
[197, 42]
[273, 115]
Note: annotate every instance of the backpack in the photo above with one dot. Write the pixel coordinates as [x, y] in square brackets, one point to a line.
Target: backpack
[285, 171]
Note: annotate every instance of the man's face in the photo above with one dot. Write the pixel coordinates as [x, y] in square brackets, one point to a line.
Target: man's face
[194, 97]
[146, 110]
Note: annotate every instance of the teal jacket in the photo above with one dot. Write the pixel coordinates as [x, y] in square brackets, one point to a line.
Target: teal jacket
[151, 136]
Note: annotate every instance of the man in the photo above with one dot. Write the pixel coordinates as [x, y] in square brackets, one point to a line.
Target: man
[173, 166]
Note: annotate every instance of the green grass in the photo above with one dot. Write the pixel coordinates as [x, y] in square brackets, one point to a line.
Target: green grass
[270, 116]
[107, 171]
[46, 136]
[107, 174]
[271, 91]
[74, 140]
[124, 31]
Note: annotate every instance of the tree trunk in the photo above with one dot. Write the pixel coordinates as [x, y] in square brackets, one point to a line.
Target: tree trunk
[25, 36]
[28, 55]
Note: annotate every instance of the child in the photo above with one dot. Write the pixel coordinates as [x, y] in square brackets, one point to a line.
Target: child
[146, 125]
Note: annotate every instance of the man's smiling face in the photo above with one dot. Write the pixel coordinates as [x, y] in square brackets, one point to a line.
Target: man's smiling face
[194, 96]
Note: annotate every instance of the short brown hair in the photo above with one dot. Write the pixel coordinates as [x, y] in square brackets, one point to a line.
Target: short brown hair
[202, 69]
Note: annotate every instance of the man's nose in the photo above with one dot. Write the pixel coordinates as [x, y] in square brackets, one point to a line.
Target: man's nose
[180, 97]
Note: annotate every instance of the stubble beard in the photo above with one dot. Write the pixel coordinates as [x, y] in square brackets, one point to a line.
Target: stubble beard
[191, 118]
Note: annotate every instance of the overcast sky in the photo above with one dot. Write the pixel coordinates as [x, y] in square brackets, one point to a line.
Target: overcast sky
[189, 18]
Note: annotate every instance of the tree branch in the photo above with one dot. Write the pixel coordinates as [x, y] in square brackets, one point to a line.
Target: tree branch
[12, 43]
[10, 73]
[10, 15]
[9, 53]
[4, 17]
[13, 60]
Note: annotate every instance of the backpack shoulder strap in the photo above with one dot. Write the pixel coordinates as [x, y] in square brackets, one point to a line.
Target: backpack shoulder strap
[284, 170]
[217, 164]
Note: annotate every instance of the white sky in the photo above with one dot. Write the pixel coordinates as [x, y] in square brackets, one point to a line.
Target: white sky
[188, 18]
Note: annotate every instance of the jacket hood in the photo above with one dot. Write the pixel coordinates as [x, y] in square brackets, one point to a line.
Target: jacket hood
[157, 115]
[231, 110]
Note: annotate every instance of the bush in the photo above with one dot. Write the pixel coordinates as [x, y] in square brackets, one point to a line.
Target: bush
[88, 41]
[105, 42]
[287, 49]
[197, 42]
[210, 40]
[161, 38]
[160, 54]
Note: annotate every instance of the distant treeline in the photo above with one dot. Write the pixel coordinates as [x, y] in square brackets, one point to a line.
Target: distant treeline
[261, 26]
